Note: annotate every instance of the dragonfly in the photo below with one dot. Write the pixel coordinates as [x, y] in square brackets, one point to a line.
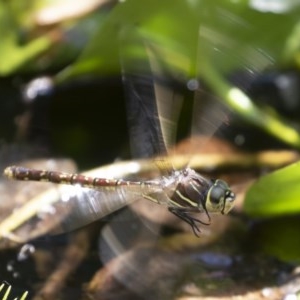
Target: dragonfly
[184, 192]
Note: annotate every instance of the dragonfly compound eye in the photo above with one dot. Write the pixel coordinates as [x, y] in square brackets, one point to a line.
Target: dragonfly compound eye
[220, 198]
[216, 195]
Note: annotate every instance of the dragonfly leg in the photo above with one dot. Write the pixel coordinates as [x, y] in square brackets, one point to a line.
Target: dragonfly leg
[183, 214]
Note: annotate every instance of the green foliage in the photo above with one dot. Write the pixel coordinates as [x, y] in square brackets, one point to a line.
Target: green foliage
[231, 34]
[14, 54]
[202, 39]
[278, 237]
[275, 197]
[275, 194]
[205, 39]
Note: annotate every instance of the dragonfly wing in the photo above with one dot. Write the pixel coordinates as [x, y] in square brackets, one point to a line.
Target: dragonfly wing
[209, 114]
[89, 205]
[145, 132]
[168, 99]
[153, 107]
[61, 209]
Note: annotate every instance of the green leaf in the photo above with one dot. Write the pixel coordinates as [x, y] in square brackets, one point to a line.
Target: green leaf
[128, 26]
[231, 30]
[275, 194]
[13, 53]
[278, 237]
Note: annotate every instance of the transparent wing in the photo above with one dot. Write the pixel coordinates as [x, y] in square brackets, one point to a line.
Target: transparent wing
[163, 102]
[209, 113]
[40, 207]
[64, 208]
[88, 205]
[153, 106]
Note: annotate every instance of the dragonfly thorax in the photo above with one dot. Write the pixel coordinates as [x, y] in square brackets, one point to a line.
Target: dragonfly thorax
[191, 190]
[201, 194]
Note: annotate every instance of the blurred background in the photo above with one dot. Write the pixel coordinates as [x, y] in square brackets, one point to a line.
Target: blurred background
[100, 84]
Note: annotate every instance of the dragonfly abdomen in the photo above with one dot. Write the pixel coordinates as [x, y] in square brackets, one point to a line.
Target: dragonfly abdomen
[25, 174]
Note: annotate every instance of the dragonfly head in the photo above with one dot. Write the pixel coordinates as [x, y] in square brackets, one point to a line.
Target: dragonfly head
[220, 198]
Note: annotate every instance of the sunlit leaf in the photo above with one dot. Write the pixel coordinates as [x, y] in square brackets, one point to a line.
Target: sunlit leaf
[16, 54]
[226, 28]
[277, 193]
